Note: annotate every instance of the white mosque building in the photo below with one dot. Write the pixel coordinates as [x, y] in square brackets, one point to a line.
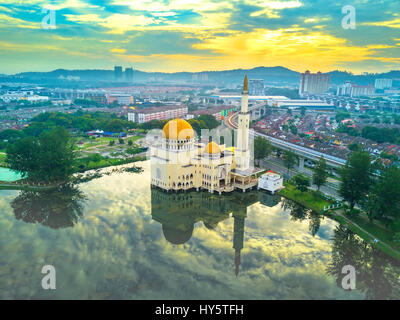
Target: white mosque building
[180, 162]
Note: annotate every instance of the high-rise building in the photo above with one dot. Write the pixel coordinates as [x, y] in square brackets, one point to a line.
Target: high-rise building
[158, 113]
[383, 83]
[118, 73]
[344, 90]
[120, 98]
[256, 87]
[200, 77]
[129, 74]
[360, 91]
[313, 83]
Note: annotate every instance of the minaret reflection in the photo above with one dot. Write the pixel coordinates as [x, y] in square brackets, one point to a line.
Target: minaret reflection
[238, 235]
[178, 212]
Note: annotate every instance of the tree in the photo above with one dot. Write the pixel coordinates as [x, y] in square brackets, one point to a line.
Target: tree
[302, 111]
[354, 146]
[50, 157]
[320, 175]
[210, 122]
[56, 208]
[262, 148]
[340, 116]
[121, 141]
[289, 159]
[130, 143]
[111, 143]
[293, 129]
[356, 178]
[302, 183]
[386, 193]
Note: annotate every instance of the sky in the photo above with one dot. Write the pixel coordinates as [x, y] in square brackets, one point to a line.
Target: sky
[199, 35]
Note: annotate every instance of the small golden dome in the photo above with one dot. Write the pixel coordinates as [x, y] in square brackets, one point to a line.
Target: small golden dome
[178, 129]
[212, 147]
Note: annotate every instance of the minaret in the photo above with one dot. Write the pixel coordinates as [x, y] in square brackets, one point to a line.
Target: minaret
[242, 152]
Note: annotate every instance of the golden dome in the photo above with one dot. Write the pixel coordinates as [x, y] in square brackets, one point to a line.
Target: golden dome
[178, 129]
[212, 147]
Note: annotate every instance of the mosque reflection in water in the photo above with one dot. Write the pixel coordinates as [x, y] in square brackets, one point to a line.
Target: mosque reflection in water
[178, 213]
[378, 275]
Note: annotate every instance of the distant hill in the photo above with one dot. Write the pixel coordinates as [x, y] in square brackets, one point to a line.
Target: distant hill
[271, 75]
[266, 73]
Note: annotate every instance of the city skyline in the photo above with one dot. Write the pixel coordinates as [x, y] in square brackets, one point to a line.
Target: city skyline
[174, 36]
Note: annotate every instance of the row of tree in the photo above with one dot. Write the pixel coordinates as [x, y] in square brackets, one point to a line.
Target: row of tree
[380, 135]
[372, 187]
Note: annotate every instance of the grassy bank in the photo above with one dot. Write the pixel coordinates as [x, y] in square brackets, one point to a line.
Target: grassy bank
[88, 163]
[369, 232]
[360, 225]
[309, 199]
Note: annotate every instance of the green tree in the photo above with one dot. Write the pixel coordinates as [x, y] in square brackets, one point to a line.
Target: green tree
[387, 195]
[320, 175]
[355, 178]
[121, 141]
[302, 183]
[130, 143]
[61, 207]
[209, 121]
[289, 159]
[340, 116]
[262, 148]
[48, 158]
[111, 143]
[293, 129]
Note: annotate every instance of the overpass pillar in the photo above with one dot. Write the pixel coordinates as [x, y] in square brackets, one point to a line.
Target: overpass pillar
[301, 164]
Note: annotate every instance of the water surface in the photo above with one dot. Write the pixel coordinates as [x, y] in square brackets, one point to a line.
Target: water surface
[9, 175]
[116, 238]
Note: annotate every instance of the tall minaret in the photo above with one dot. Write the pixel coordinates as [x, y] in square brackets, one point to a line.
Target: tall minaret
[242, 152]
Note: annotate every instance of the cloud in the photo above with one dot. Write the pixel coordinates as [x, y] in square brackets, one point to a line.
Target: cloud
[116, 50]
[389, 24]
[271, 8]
[218, 34]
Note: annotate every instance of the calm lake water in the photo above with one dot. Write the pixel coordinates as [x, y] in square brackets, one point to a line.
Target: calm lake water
[116, 238]
[9, 175]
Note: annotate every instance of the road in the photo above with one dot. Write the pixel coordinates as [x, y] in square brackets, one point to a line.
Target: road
[274, 165]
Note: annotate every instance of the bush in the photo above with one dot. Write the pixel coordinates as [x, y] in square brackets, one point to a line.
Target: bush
[302, 183]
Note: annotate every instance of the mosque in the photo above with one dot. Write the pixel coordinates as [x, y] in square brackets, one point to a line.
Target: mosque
[180, 162]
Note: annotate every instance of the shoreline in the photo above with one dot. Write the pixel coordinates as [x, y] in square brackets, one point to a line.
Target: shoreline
[339, 216]
[22, 185]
